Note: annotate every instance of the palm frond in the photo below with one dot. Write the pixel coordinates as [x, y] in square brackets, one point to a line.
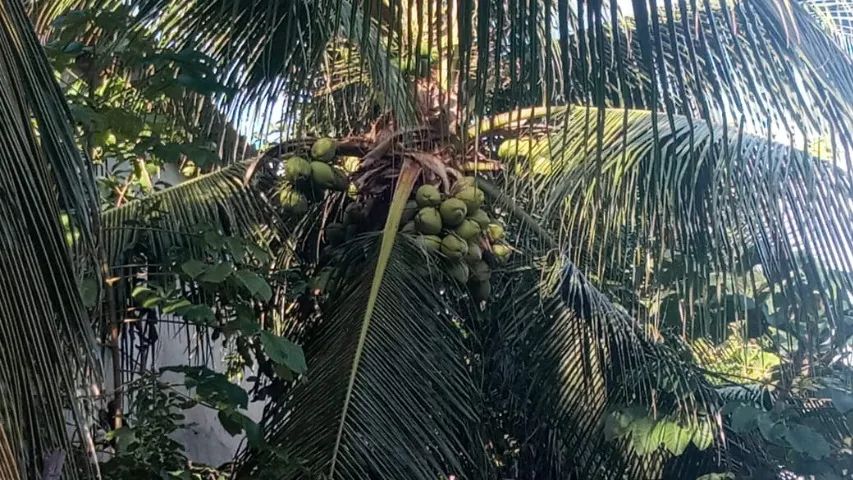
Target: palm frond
[409, 396]
[231, 200]
[836, 17]
[622, 198]
[563, 359]
[273, 50]
[47, 364]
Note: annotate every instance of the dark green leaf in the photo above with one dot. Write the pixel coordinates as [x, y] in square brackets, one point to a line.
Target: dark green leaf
[284, 352]
[253, 432]
[245, 326]
[217, 273]
[744, 417]
[259, 253]
[841, 400]
[806, 440]
[214, 239]
[236, 248]
[255, 284]
[768, 427]
[212, 387]
[175, 304]
[193, 268]
[231, 421]
[197, 314]
[125, 437]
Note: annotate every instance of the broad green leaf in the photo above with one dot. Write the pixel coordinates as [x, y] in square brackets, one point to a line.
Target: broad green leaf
[193, 268]
[284, 352]
[744, 417]
[231, 421]
[175, 304]
[703, 435]
[124, 438]
[214, 239]
[841, 400]
[255, 284]
[146, 297]
[236, 248]
[641, 435]
[212, 387]
[245, 326]
[674, 438]
[806, 440]
[769, 428]
[254, 434]
[217, 273]
[259, 253]
[197, 314]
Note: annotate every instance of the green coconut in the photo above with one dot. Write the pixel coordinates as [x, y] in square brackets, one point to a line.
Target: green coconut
[428, 221]
[501, 251]
[453, 211]
[409, 228]
[355, 213]
[409, 211]
[475, 253]
[297, 169]
[462, 184]
[495, 231]
[480, 290]
[481, 217]
[72, 236]
[428, 196]
[292, 201]
[458, 271]
[336, 233]
[454, 246]
[322, 174]
[480, 271]
[468, 229]
[430, 243]
[324, 149]
[472, 196]
[65, 220]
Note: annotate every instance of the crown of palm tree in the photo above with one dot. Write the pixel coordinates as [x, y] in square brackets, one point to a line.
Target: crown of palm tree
[685, 128]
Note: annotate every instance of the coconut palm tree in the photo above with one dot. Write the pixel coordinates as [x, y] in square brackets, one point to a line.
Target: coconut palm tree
[48, 362]
[679, 154]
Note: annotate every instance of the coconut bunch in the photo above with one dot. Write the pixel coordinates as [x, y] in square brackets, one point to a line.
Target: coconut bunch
[306, 179]
[72, 233]
[456, 226]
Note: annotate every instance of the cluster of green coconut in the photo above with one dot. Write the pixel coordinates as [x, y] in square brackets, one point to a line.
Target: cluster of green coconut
[457, 226]
[305, 178]
[72, 233]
